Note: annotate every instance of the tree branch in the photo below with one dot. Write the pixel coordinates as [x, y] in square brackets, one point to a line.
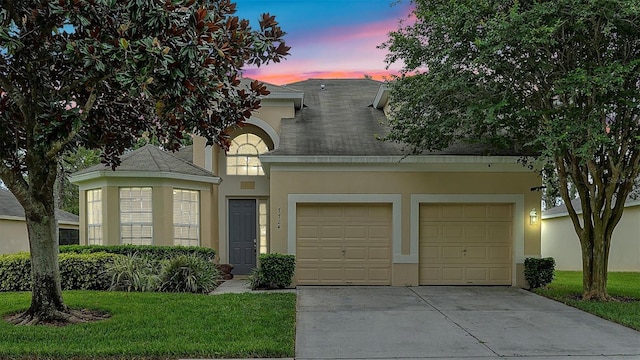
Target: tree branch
[57, 146]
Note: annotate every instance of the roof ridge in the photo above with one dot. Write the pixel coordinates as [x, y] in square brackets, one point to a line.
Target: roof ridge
[153, 158]
[169, 153]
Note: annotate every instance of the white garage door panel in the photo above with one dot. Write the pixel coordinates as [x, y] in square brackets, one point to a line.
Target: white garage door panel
[462, 244]
[342, 244]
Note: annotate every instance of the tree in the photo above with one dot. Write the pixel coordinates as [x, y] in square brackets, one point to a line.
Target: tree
[100, 74]
[66, 194]
[557, 79]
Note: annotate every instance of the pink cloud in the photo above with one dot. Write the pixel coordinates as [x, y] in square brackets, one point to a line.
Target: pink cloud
[341, 51]
[277, 78]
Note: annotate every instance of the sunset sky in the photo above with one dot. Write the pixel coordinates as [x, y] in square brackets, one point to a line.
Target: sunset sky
[329, 38]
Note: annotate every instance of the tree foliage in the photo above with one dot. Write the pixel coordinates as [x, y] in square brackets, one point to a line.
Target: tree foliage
[100, 74]
[559, 79]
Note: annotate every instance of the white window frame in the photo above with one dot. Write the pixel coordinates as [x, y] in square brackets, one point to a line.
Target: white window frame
[136, 209]
[94, 217]
[192, 215]
[263, 229]
[239, 162]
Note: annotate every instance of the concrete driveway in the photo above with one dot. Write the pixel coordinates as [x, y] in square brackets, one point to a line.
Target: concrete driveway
[451, 323]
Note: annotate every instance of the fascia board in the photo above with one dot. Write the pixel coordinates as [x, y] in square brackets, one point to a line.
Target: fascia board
[19, 218]
[428, 159]
[298, 98]
[216, 180]
[12, 218]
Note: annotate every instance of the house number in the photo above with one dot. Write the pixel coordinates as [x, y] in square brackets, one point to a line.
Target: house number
[279, 217]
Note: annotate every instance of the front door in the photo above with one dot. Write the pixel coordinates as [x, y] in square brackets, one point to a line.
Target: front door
[242, 235]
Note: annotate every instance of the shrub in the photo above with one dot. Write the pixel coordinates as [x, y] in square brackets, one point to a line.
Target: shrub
[77, 271]
[189, 273]
[86, 271]
[539, 272]
[15, 272]
[133, 273]
[144, 251]
[275, 272]
[256, 279]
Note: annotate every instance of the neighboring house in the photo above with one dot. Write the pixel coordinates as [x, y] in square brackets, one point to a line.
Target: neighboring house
[307, 176]
[13, 228]
[560, 241]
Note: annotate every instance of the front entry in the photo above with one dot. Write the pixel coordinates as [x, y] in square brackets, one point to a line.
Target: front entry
[242, 235]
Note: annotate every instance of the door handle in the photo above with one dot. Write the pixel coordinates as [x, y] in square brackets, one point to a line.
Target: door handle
[255, 244]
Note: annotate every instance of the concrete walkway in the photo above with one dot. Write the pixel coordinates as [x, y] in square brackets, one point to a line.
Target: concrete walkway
[451, 323]
[239, 286]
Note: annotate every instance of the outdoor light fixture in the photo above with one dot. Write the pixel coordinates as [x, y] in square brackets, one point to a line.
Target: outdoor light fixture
[533, 216]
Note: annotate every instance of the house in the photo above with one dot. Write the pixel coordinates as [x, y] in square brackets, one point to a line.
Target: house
[560, 241]
[13, 227]
[307, 176]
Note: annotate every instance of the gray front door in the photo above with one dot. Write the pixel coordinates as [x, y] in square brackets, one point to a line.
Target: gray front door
[242, 235]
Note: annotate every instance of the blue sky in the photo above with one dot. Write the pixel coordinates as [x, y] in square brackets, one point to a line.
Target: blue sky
[329, 38]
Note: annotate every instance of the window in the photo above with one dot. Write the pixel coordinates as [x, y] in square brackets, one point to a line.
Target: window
[68, 236]
[242, 158]
[186, 229]
[136, 216]
[262, 226]
[94, 217]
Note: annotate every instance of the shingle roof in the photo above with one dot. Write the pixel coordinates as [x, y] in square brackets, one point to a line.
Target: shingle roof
[280, 89]
[336, 120]
[339, 119]
[186, 153]
[561, 210]
[151, 159]
[10, 206]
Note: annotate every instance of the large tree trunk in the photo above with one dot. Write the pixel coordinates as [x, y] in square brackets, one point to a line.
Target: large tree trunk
[602, 197]
[595, 255]
[37, 199]
[46, 300]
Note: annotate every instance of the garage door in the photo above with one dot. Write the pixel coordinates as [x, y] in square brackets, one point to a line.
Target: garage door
[465, 244]
[343, 244]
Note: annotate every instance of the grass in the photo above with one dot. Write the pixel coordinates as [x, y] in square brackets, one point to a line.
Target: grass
[567, 287]
[157, 326]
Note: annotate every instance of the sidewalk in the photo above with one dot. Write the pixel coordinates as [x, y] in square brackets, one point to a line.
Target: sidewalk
[239, 286]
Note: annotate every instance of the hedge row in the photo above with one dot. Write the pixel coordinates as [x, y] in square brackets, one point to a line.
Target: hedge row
[77, 271]
[151, 252]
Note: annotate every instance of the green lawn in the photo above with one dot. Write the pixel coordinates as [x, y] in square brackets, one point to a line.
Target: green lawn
[567, 285]
[157, 326]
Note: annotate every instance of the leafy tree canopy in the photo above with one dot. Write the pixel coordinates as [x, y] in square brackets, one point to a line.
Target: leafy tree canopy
[100, 74]
[559, 79]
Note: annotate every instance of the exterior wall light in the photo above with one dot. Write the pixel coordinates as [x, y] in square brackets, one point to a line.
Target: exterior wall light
[533, 216]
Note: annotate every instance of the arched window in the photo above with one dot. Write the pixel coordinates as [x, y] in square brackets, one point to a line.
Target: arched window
[242, 158]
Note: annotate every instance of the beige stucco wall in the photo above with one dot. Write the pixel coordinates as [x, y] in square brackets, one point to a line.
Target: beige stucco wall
[268, 118]
[273, 111]
[266, 123]
[559, 240]
[406, 184]
[14, 237]
[234, 187]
